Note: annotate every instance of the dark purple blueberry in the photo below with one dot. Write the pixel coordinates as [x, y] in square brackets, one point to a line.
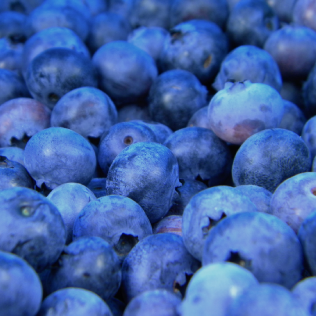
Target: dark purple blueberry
[257, 106]
[13, 153]
[293, 118]
[159, 261]
[212, 10]
[50, 38]
[20, 119]
[309, 135]
[269, 157]
[292, 91]
[50, 15]
[293, 47]
[117, 219]
[201, 155]
[259, 242]
[303, 13]
[12, 26]
[87, 111]
[133, 112]
[206, 209]
[126, 72]
[89, 263]
[57, 155]
[20, 286]
[97, 186]
[107, 27]
[169, 224]
[214, 288]
[31, 227]
[267, 299]
[120, 136]
[70, 199]
[13, 174]
[56, 71]
[199, 118]
[259, 196]
[74, 301]
[12, 86]
[148, 173]
[158, 302]
[149, 39]
[174, 97]
[294, 199]
[198, 47]
[248, 62]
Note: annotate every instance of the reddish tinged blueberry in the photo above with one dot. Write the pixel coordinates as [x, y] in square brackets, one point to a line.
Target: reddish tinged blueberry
[20, 119]
[242, 109]
[169, 224]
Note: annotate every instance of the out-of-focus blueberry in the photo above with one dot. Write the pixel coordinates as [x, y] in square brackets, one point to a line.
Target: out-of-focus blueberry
[292, 91]
[257, 106]
[70, 199]
[133, 112]
[199, 118]
[126, 72]
[97, 186]
[21, 6]
[120, 136]
[214, 287]
[261, 243]
[201, 155]
[169, 224]
[303, 12]
[261, 159]
[159, 261]
[122, 7]
[148, 173]
[205, 210]
[248, 62]
[20, 119]
[89, 263]
[283, 8]
[10, 55]
[20, 286]
[117, 219]
[174, 97]
[56, 71]
[57, 155]
[309, 95]
[86, 110]
[295, 198]
[74, 301]
[158, 302]
[116, 306]
[31, 227]
[13, 153]
[12, 26]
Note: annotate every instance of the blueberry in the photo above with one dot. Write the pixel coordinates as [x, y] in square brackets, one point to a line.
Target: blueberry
[13, 153]
[169, 224]
[97, 186]
[199, 118]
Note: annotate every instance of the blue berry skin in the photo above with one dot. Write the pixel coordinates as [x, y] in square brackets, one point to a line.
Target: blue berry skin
[199, 118]
[12, 86]
[12, 26]
[97, 186]
[261, 243]
[131, 78]
[257, 106]
[117, 219]
[248, 62]
[294, 199]
[74, 301]
[268, 300]
[149, 39]
[309, 135]
[56, 71]
[13, 153]
[184, 194]
[272, 166]
[133, 112]
[205, 210]
[251, 22]
[304, 292]
[89, 263]
[283, 9]
[293, 118]
[214, 287]
[20, 119]
[57, 155]
[148, 173]
[22, 6]
[20, 286]
[13, 174]
[70, 199]
[86, 110]
[259, 196]
[31, 227]
[196, 47]
[159, 261]
[10, 55]
[107, 27]
[158, 302]
[117, 307]
[201, 155]
[169, 224]
[120, 136]
[174, 97]
[50, 38]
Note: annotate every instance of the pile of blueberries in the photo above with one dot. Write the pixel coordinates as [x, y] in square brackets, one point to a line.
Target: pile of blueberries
[157, 157]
